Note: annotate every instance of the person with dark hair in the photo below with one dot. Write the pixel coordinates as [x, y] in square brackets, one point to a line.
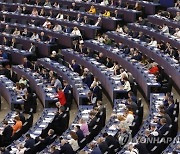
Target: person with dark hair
[21, 115]
[58, 123]
[56, 83]
[18, 124]
[75, 67]
[163, 127]
[65, 147]
[6, 134]
[61, 97]
[111, 141]
[29, 143]
[74, 141]
[79, 133]
[28, 100]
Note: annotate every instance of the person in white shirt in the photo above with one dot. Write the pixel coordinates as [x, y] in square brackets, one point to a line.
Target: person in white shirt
[119, 29]
[56, 5]
[153, 43]
[98, 22]
[57, 28]
[46, 24]
[165, 29]
[131, 150]
[47, 3]
[74, 141]
[126, 85]
[60, 16]
[35, 36]
[105, 2]
[76, 31]
[177, 32]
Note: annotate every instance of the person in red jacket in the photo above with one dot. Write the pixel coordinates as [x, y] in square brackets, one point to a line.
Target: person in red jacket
[61, 97]
[154, 69]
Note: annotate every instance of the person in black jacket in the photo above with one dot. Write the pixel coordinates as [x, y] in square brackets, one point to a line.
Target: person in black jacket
[93, 119]
[79, 133]
[65, 147]
[59, 123]
[21, 116]
[111, 141]
[6, 134]
[29, 143]
[28, 100]
[102, 145]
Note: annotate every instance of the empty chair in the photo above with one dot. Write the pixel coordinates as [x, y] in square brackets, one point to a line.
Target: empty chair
[19, 46]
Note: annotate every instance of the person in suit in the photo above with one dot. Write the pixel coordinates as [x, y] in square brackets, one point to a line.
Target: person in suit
[51, 40]
[48, 137]
[68, 94]
[42, 37]
[141, 21]
[163, 128]
[87, 77]
[65, 147]
[33, 50]
[116, 14]
[26, 63]
[102, 145]
[6, 134]
[75, 67]
[67, 29]
[111, 141]
[79, 18]
[28, 100]
[170, 107]
[93, 119]
[3, 55]
[30, 142]
[85, 20]
[7, 30]
[79, 133]
[141, 37]
[58, 123]
[95, 149]
[74, 7]
[25, 33]
[21, 116]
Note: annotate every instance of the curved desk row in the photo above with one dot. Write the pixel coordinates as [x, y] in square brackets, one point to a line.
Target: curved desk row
[71, 13]
[156, 19]
[37, 83]
[63, 39]
[8, 93]
[145, 80]
[42, 123]
[88, 30]
[129, 15]
[83, 112]
[44, 49]
[17, 55]
[170, 66]
[109, 82]
[80, 90]
[174, 41]
[173, 146]
[155, 101]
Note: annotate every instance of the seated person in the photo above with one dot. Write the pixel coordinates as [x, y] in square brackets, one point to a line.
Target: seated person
[65, 147]
[107, 40]
[177, 32]
[154, 68]
[165, 29]
[55, 82]
[107, 13]
[6, 134]
[47, 24]
[30, 142]
[76, 31]
[177, 17]
[56, 5]
[34, 36]
[34, 12]
[60, 16]
[61, 97]
[92, 10]
[119, 29]
[57, 28]
[42, 37]
[73, 141]
[126, 85]
[84, 127]
[138, 7]
[18, 124]
[3, 55]
[85, 20]
[78, 18]
[74, 7]
[75, 67]
[153, 43]
[18, 10]
[47, 3]
[98, 22]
